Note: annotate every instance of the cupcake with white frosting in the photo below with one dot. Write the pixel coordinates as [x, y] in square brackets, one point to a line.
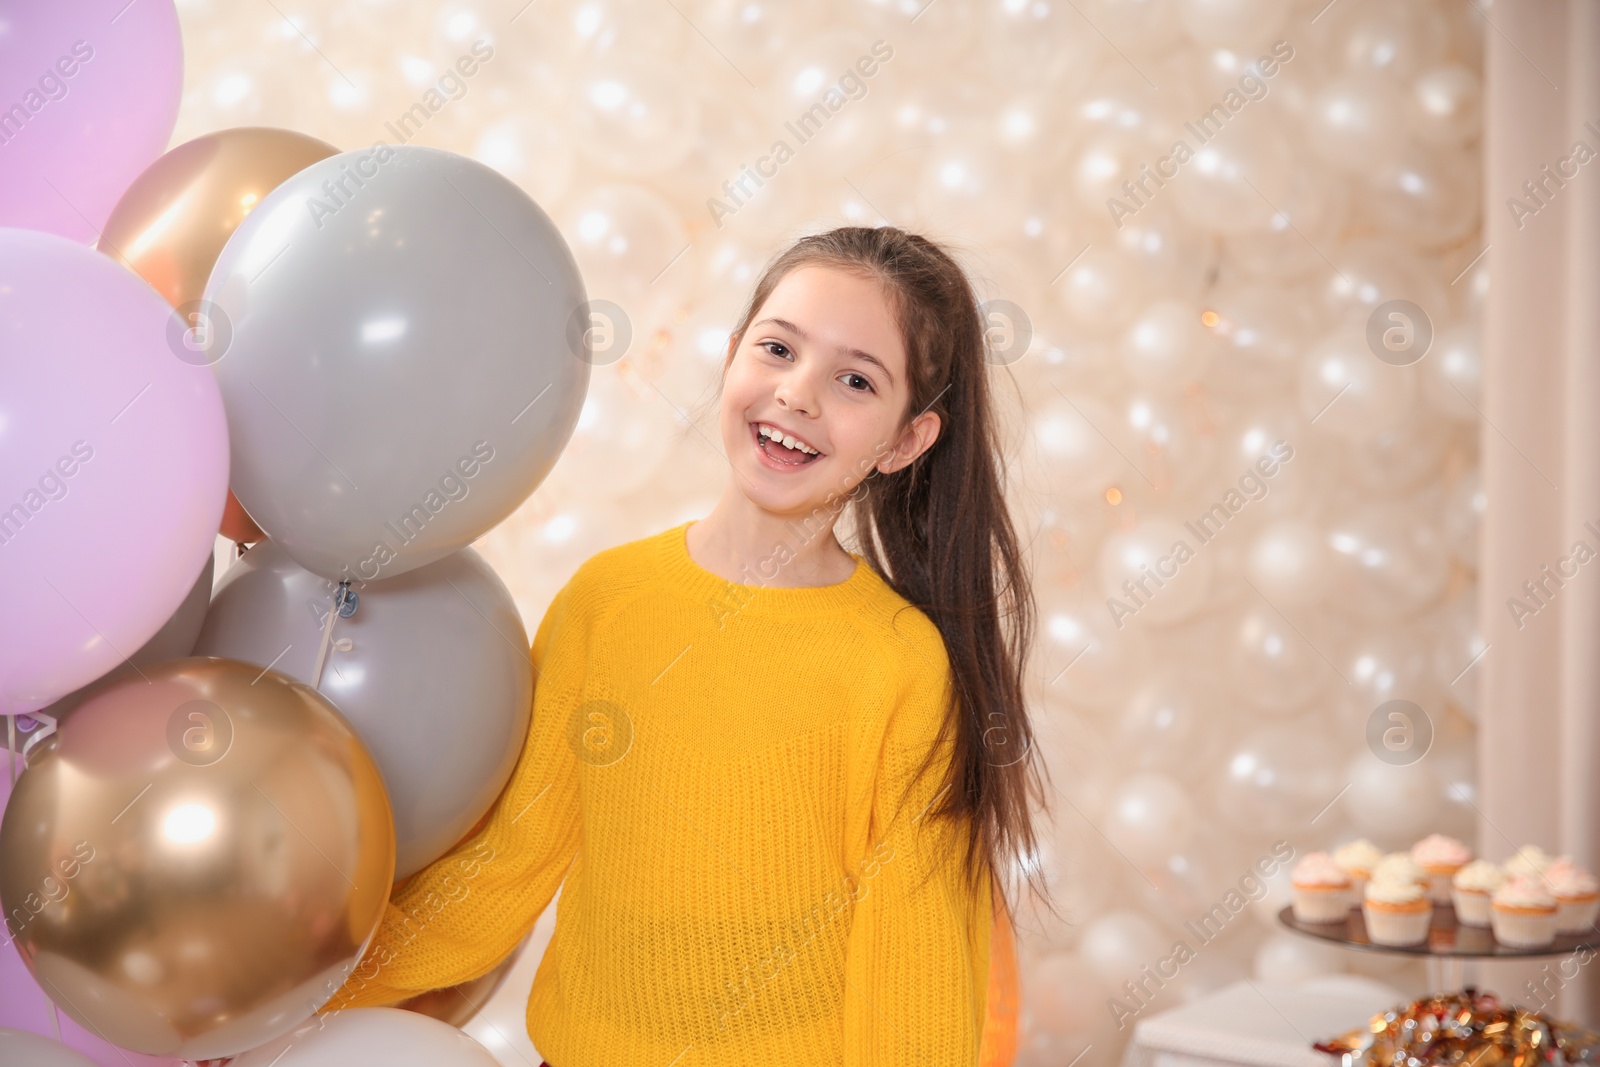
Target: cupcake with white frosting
[1397, 912]
[1530, 861]
[1471, 889]
[1577, 896]
[1321, 889]
[1441, 857]
[1523, 913]
[1357, 858]
[1400, 867]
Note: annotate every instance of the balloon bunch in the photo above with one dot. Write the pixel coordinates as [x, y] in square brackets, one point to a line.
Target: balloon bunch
[356, 363]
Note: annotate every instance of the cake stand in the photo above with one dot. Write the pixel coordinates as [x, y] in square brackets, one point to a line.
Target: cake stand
[1448, 946]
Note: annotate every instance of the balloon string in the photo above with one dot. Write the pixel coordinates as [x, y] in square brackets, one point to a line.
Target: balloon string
[345, 601]
[55, 1020]
[327, 639]
[11, 748]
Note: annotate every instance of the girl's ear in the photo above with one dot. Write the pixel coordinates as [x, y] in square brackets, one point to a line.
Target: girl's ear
[917, 439]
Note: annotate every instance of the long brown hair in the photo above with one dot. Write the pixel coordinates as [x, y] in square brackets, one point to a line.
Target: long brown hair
[939, 532]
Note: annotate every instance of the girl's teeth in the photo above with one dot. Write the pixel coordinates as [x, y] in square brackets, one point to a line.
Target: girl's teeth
[771, 433]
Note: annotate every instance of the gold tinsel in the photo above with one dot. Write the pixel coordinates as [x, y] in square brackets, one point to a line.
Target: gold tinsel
[1468, 1028]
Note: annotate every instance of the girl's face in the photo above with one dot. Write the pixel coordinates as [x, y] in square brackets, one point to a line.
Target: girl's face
[822, 362]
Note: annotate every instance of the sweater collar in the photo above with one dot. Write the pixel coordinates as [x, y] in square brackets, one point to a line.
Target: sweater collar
[679, 570]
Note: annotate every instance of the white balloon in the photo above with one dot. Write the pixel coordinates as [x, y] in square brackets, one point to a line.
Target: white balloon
[1087, 659]
[1232, 22]
[1372, 271]
[1458, 653]
[1392, 805]
[1119, 98]
[1103, 163]
[1391, 39]
[370, 1037]
[1289, 563]
[624, 236]
[1276, 779]
[23, 1048]
[1446, 105]
[1164, 726]
[1157, 572]
[1427, 194]
[1279, 895]
[1346, 391]
[1305, 222]
[1274, 666]
[1168, 439]
[1354, 122]
[1148, 817]
[1387, 664]
[636, 117]
[1169, 256]
[608, 29]
[1099, 292]
[1165, 345]
[533, 150]
[1388, 560]
[1453, 373]
[1080, 876]
[1069, 447]
[625, 431]
[1455, 764]
[1258, 334]
[1400, 457]
[1067, 1006]
[1119, 943]
[1236, 179]
[1464, 505]
[1290, 959]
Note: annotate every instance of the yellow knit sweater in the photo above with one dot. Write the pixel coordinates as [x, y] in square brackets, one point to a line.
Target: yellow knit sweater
[714, 772]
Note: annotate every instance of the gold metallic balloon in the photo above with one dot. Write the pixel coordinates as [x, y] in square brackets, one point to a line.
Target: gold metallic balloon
[171, 223]
[194, 861]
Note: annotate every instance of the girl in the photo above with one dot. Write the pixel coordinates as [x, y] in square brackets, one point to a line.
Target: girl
[781, 782]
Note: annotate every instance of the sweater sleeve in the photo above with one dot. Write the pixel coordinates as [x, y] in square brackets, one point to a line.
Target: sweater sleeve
[917, 957]
[458, 917]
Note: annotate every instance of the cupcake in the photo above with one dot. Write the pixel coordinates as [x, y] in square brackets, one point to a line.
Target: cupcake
[1577, 896]
[1523, 913]
[1441, 857]
[1470, 890]
[1321, 889]
[1529, 862]
[1400, 867]
[1397, 912]
[1357, 857]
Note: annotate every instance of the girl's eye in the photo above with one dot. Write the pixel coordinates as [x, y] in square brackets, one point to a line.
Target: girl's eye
[770, 345]
[862, 380]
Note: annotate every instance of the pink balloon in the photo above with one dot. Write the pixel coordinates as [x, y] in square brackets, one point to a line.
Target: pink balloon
[88, 98]
[113, 466]
[23, 1005]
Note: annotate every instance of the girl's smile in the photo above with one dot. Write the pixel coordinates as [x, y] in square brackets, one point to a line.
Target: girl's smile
[775, 455]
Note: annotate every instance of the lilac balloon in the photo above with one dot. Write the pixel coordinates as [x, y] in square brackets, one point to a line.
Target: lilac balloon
[23, 1005]
[113, 466]
[88, 99]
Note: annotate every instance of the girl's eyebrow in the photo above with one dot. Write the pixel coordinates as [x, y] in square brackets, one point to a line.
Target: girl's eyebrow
[845, 349]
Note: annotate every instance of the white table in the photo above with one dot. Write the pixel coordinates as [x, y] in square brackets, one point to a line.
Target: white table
[1254, 1024]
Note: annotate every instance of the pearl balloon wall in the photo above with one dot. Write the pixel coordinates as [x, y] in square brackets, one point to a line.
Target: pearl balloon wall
[1233, 253]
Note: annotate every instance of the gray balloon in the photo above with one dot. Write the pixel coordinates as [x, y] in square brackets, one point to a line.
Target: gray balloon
[432, 670]
[392, 332]
[174, 640]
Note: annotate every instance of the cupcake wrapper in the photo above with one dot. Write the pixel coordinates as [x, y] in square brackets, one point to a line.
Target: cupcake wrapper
[1397, 927]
